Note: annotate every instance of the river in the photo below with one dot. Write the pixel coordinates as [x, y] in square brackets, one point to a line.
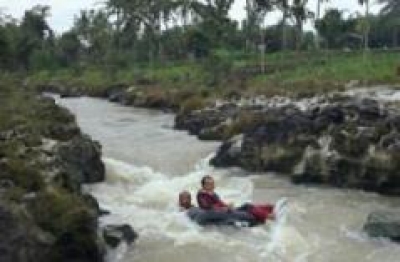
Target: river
[148, 163]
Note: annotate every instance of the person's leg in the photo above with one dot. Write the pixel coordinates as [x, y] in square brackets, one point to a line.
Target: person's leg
[245, 207]
[268, 207]
[243, 216]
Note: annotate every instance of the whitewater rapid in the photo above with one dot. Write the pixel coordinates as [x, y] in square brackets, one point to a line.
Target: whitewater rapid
[148, 163]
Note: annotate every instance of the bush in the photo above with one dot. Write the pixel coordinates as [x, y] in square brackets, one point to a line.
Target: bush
[217, 69]
[191, 104]
[71, 222]
[22, 175]
[58, 212]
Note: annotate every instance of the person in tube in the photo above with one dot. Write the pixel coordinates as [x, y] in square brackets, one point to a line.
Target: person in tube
[208, 199]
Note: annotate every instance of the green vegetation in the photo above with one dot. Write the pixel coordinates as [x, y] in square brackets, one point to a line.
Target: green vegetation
[289, 73]
[22, 121]
[67, 208]
[195, 45]
[332, 71]
[69, 220]
[25, 177]
[21, 112]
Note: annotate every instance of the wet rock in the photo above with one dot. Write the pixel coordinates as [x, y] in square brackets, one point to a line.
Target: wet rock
[363, 149]
[204, 121]
[228, 154]
[94, 205]
[196, 121]
[211, 134]
[115, 234]
[389, 140]
[81, 159]
[6, 184]
[118, 96]
[384, 224]
[326, 116]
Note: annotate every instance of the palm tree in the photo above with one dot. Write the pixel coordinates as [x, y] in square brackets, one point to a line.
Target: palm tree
[366, 25]
[143, 14]
[391, 9]
[215, 17]
[390, 6]
[284, 6]
[317, 17]
[260, 9]
[185, 7]
[255, 14]
[300, 14]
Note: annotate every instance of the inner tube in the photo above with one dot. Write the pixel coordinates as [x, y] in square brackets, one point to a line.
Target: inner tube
[220, 218]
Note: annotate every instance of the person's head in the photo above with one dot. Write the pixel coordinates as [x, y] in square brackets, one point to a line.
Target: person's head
[207, 183]
[185, 199]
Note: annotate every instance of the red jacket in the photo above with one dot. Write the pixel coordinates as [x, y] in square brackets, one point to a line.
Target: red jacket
[208, 200]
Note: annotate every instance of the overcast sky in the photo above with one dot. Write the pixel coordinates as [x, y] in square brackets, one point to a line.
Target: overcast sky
[63, 11]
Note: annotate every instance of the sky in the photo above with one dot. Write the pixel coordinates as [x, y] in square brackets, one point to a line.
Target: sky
[63, 11]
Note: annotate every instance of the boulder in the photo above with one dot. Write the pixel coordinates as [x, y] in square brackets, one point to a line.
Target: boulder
[384, 224]
[115, 234]
[363, 149]
[118, 96]
[94, 205]
[207, 121]
[229, 152]
[81, 159]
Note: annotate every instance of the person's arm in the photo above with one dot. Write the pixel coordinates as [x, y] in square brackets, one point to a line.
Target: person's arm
[219, 204]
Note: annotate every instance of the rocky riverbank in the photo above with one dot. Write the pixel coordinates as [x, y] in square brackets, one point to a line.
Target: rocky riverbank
[343, 141]
[338, 140]
[44, 161]
[152, 97]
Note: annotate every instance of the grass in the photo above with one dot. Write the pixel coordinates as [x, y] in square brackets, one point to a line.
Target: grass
[21, 111]
[288, 73]
[333, 72]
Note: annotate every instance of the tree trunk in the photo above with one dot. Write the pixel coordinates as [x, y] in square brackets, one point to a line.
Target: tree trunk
[284, 30]
[184, 18]
[317, 45]
[395, 36]
[159, 36]
[299, 33]
[263, 48]
[247, 40]
[366, 34]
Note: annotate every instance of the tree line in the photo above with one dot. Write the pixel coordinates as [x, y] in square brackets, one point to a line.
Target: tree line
[122, 33]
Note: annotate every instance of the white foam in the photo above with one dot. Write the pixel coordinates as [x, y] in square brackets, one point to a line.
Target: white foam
[148, 201]
[286, 240]
[118, 171]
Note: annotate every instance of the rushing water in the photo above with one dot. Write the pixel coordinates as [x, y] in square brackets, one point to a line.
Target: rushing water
[148, 163]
